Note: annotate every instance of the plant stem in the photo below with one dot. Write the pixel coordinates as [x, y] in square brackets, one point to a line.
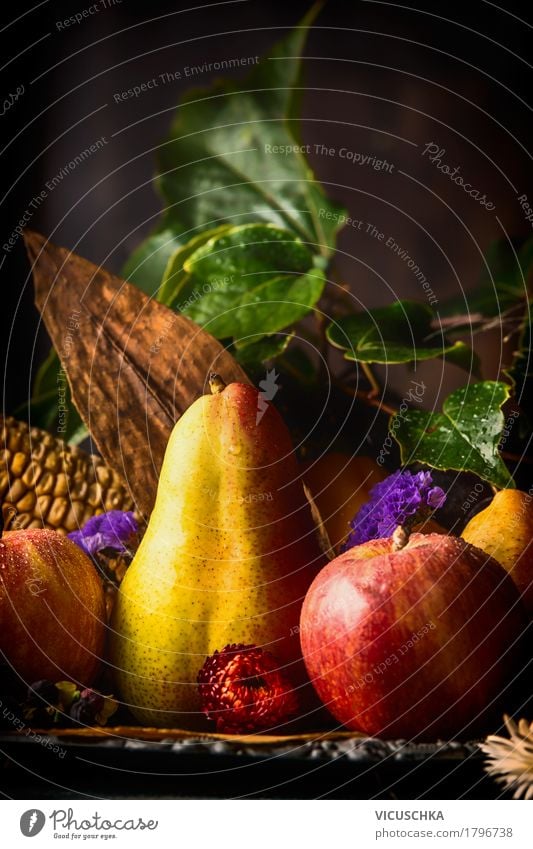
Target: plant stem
[372, 401]
[369, 374]
[322, 346]
[367, 398]
[400, 538]
[216, 384]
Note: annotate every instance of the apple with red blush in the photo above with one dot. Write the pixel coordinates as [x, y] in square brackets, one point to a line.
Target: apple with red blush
[414, 637]
[52, 608]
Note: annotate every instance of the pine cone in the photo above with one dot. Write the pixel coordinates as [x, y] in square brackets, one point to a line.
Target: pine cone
[54, 485]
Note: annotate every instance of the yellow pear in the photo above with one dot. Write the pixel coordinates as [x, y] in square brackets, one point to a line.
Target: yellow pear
[228, 555]
[504, 530]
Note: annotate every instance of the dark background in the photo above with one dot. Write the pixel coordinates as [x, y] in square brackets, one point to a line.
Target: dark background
[383, 79]
[379, 75]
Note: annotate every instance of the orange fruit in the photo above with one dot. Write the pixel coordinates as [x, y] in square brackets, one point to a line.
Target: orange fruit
[340, 485]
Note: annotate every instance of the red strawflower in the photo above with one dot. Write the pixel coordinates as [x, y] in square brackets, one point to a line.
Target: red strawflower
[243, 690]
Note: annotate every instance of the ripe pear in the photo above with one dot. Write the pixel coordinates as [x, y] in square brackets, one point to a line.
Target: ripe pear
[504, 530]
[228, 555]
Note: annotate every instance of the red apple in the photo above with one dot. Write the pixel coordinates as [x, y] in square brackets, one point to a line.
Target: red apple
[52, 608]
[419, 642]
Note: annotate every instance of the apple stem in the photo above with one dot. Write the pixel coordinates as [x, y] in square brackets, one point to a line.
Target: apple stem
[400, 538]
[216, 384]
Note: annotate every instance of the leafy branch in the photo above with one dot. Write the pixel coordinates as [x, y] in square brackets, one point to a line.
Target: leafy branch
[245, 246]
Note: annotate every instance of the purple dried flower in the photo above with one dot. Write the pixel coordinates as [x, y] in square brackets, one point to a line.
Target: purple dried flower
[402, 498]
[109, 530]
[436, 497]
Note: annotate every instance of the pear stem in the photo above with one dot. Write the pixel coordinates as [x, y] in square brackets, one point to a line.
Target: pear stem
[400, 538]
[216, 384]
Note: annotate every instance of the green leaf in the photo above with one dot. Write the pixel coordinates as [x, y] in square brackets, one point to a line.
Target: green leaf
[252, 356]
[231, 157]
[248, 250]
[146, 265]
[175, 276]
[253, 279]
[398, 333]
[76, 431]
[228, 158]
[46, 377]
[241, 312]
[464, 437]
[43, 408]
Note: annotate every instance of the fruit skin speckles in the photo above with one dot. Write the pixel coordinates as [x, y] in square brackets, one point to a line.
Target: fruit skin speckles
[242, 689]
[391, 638]
[504, 530]
[52, 607]
[217, 565]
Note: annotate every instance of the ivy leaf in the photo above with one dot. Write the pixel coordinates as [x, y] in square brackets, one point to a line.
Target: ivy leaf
[253, 279]
[224, 137]
[234, 156]
[464, 437]
[398, 333]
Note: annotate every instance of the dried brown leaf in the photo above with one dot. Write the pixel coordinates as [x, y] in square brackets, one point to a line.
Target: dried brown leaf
[320, 528]
[133, 365]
